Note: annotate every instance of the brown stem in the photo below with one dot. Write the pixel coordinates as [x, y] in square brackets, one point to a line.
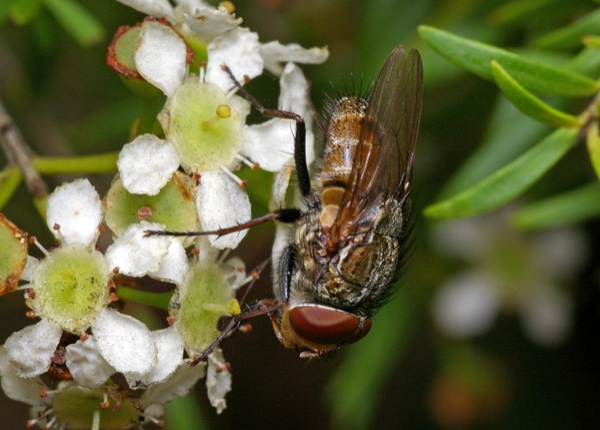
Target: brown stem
[19, 153]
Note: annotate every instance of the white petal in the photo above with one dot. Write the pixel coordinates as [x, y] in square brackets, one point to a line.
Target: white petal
[280, 185]
[271, 144]
[161, 56]
[547, 316]
[275, 53]
[281, 241]
[293, 95]
[466, 306]
[192, 5]
[26, 390]
[178, 385]
[222, 203]
[77, 209]
[136, 255]
[147, 164]
[239, 50]
[124, 342]
[468, 239]
[235, 272]
[30, 267]
[206, 24]
[30, 350]
[87, 365]
[218, 380]
[241, 106]
[170, 356]
[561, 251]
[174, 265]
[158, 8]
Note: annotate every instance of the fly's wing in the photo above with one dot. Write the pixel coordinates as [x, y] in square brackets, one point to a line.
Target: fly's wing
[383, 161]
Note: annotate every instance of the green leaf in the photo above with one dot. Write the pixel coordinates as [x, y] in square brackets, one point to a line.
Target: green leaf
[587, 61]
[10, 178]
[23, 11]
[509, 182]
[591, 41]
[5, 7]
[519, 11]
[593, 146]
[533, 75]
[570, 36]
[565, 209]
[156, 300]
[528, 103]
[508, 134]
[83, 26]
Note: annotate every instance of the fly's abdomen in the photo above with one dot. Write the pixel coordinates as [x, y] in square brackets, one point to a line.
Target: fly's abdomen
[342, 137]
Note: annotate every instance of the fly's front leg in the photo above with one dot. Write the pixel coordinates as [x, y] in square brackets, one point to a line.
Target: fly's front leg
[299, 136]
[283, 215]
[263, 307]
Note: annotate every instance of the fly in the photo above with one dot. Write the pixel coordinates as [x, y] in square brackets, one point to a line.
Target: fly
[346, 249]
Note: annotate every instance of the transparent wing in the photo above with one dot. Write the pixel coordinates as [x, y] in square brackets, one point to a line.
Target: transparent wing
[382, 165]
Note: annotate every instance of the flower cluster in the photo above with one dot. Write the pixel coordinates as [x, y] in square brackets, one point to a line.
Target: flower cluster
[83, 355]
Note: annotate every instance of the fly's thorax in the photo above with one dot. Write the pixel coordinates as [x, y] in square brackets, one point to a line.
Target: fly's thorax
[354, 278]
[341, 138]
[360, 273]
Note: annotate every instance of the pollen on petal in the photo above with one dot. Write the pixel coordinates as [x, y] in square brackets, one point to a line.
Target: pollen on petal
[30, 349]
[274, 53]
[222, 203]
[170, 356]
[77, 209]
[124, 342]
[88, 367]
[147, 164]
[161, 56]
[135, 254]
[207, 24]
[239, 50]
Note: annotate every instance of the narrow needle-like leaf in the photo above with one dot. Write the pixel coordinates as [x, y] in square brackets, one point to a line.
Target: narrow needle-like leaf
[569, 208]
[533, 75]
[509, 182]
[529, 104]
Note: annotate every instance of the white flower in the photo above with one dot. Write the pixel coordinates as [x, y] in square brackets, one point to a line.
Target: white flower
[70, 404]
[70, 292]
[508, 273]
[467, 305]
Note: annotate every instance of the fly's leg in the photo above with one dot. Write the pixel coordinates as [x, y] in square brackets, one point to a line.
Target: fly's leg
[299, 135]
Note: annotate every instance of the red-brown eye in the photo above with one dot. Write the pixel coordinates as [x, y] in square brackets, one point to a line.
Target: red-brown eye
[328, 326]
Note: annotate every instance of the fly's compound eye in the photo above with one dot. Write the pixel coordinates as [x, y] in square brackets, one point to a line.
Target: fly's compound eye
[328, 326]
